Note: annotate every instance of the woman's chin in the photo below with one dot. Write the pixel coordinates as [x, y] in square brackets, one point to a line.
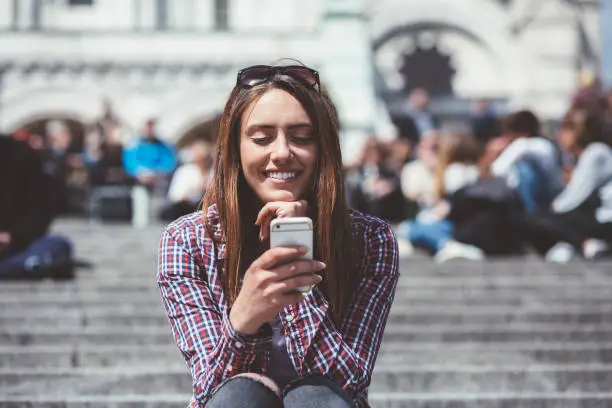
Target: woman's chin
[280, 195]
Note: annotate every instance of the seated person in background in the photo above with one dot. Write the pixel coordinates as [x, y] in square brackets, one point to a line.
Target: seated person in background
[373, 188]
[485, 122]
[581, 216]
[25, 215]
[149, 159]
[529, 162]
[189, 182]
[108, 168]
[456, 168]
[417, 177]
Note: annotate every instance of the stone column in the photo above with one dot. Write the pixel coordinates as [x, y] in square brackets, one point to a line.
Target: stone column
[347, 69]
[605, 15]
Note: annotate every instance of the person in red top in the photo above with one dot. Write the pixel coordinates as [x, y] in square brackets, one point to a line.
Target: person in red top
[248, 338]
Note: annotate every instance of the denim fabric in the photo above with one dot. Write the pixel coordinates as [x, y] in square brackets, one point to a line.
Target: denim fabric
[309, 392]
[243, 392]
[430, 234]
[533, 187]
[48, 253]
[315, 392]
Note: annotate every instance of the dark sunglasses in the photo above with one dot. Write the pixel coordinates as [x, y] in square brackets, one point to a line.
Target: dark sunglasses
[258, 74]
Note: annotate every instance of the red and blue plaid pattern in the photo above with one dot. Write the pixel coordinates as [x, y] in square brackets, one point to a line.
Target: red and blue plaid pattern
[189, 278]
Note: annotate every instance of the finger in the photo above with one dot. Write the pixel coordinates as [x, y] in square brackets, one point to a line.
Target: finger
[294, 284]
[264, 230]
[298, 267]
[275, 256]
[267, 211]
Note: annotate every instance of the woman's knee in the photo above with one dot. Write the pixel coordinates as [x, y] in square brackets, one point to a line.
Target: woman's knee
[247, 390]
[263, 380]
[316, 391]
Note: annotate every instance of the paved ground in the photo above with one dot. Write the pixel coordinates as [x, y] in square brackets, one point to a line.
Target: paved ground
[512, 333]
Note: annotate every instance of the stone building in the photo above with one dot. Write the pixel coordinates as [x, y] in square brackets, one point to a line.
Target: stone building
[176, 59]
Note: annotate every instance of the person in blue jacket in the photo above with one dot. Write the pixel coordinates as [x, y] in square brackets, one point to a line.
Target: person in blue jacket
[149, 159]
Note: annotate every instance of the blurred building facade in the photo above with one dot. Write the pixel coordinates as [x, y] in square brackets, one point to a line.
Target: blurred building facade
[176, 59]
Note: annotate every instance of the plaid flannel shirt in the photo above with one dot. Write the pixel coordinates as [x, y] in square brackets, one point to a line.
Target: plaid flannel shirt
[189, 278]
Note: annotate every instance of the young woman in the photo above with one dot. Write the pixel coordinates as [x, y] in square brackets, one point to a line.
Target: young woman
[248, 338]
[581, 216]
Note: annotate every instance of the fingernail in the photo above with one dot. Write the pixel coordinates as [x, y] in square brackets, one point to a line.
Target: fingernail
[322, 265]
[317, 278]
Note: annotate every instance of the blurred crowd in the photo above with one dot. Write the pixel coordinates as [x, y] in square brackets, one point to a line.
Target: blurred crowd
[505, 187]
[54, 173]
[94, 176]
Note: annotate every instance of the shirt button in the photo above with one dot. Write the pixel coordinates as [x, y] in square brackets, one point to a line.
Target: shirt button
[230, 368]
[238, 344]
[290, 318]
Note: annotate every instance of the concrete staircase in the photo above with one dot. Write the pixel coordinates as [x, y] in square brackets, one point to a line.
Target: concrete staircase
[515, 333]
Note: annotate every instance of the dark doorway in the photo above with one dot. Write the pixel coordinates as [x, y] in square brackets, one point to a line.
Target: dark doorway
[429, 69]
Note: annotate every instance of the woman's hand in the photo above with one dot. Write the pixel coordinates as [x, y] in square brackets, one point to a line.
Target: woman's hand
[279, 209]
[270, 284]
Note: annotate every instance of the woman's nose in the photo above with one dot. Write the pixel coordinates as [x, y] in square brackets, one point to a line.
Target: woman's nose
[281, 150]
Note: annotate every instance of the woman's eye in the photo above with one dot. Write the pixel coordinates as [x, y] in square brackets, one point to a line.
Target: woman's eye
[261, 140]
[302, 138]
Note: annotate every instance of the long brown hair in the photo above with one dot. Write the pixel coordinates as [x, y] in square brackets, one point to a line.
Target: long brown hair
[457, 147]
[589, 127]
[237, 204]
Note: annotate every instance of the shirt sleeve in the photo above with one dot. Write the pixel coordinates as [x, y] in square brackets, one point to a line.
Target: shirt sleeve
[358, 343]
[514, 152]
[593, 168]
[212, 348]
[129, 160]
[459, 175]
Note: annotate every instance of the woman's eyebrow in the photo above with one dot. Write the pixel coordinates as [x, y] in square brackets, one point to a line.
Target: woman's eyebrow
[264, 126]
[299, 125]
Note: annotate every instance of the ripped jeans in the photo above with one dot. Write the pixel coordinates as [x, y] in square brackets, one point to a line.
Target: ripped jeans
[309, 392]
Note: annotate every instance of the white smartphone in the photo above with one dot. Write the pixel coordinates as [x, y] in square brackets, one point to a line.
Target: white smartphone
[293, 231]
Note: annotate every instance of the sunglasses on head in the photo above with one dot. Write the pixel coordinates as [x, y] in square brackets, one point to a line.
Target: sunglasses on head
[259, 74]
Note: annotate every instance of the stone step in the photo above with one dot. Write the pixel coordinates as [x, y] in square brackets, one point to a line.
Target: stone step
[108, 281]
[390, 354]
[119, 287]
[376, 400]
[553, 292]
[507, 332]
[442, 294]
[136, 302]
[136, 335]
[430, 379]
[400, 315]
[593, 279]
[478, 333]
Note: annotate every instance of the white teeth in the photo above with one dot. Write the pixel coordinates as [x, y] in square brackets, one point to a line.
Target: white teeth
[282, 175]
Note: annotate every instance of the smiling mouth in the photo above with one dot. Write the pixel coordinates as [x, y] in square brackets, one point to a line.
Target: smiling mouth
[281, 176]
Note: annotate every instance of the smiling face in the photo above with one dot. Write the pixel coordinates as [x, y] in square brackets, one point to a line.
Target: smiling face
[277, 147]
